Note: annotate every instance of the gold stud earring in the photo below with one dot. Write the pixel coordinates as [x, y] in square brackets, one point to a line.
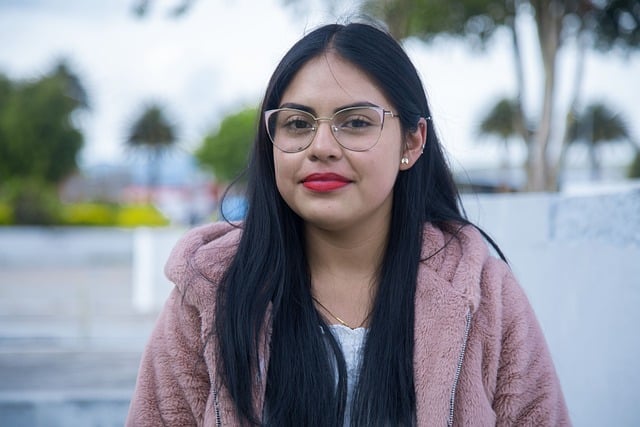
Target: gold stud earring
[404, 160]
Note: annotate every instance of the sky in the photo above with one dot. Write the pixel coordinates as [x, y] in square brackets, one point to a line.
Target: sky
[218, 58]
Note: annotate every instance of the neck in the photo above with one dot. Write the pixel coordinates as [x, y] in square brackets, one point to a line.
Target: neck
[344, 268]
[342, 252]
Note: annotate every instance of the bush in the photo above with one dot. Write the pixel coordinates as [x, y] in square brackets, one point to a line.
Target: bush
[89, 214]
[107, 215]
[634, 168]
[31, 202]
[140, 215]
[6, 214]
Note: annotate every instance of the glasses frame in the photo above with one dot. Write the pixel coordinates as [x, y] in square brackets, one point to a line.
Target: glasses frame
[334, 130]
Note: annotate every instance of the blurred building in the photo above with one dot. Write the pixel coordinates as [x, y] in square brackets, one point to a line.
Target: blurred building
[184, 193]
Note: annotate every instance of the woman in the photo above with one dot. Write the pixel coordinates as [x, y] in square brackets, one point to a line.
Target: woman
[355, 292]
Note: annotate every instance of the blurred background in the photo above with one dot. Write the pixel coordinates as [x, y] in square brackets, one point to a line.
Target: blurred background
[123, 122]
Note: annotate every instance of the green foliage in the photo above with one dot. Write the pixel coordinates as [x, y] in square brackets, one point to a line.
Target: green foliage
[598, 124]
[6, 213]
[89, 214]
[611, 22]
[501, 120]
[38, 138]
[594, 127]
[616, 23]
[226, 151]
[153, 133]
[30, 202]
[634, 167]
[111, 215]
[152, 129]
[426, 19]
[140, 8]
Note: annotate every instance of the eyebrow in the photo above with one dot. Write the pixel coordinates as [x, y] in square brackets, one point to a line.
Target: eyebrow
[342, 107]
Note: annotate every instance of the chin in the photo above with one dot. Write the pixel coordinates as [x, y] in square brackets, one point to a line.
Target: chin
[325, 222]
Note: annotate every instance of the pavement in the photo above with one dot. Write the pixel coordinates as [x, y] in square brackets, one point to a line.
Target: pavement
[70, 341]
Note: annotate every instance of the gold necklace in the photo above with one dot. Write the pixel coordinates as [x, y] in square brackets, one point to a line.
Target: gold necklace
[342, 322]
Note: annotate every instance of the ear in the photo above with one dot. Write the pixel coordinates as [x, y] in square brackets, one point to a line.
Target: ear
[414, 144]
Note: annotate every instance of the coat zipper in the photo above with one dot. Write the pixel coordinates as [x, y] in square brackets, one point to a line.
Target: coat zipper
[216, 407]
[456, 379]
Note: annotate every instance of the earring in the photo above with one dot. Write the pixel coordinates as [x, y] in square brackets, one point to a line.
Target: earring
[404, 160]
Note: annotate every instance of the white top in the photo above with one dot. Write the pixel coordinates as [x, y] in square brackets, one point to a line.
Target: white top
[352, 343]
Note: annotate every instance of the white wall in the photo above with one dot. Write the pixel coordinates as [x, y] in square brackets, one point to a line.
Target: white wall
[578, 259]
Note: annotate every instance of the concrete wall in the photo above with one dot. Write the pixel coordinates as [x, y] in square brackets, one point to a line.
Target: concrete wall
[578, 259]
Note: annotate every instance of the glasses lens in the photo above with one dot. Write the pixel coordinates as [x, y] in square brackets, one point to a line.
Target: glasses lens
[358, 128]
[290, 130]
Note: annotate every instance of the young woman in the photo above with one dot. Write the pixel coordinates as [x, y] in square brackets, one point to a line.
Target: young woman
[355, 292]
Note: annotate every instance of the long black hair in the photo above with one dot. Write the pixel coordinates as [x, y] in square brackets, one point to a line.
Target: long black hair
[270, 269]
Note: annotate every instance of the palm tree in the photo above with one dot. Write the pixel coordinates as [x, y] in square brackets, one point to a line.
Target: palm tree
[598, 125]
[154, 134]
[502, 121]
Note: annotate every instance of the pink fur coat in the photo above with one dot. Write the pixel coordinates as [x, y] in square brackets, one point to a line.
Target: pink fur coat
[480, 356]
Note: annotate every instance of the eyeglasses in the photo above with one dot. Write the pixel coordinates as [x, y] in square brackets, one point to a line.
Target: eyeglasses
[355, 128]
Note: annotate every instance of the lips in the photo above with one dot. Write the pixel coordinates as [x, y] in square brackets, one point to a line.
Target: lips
[324, 182]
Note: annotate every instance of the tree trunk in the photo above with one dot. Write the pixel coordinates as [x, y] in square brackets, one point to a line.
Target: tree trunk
[521, 120]
[153, 173]
[549, 16]
[595, 170]
[558, 164]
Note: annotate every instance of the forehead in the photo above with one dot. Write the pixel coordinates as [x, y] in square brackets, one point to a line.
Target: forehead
[329, 81]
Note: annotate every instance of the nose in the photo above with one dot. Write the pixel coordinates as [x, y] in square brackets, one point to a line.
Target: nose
[324, 145]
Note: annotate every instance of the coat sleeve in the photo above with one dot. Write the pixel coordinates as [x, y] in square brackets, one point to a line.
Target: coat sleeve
[528, 391]
[173, 382]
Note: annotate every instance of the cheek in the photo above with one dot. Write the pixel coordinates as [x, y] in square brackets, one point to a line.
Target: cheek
[386, 176]
[380, 177]
[283, 170]
[387, 163]
[277, 171]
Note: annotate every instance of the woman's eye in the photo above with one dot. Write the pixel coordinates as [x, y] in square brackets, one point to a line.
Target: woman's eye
[298, 124]
[356, 123]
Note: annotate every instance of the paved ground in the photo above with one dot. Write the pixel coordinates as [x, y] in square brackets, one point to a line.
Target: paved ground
[70, 343]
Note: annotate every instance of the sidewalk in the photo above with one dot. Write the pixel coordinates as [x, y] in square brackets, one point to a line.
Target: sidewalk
[70, 341]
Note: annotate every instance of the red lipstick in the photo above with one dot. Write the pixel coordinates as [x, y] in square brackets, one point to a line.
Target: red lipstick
[324, 182]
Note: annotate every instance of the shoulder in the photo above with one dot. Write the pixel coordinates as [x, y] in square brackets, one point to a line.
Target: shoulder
[506, 347]
[460, 260]
[460, 257]
[200, 258]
